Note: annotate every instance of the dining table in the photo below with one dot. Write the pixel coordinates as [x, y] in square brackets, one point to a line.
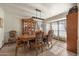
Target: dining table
[27, 38]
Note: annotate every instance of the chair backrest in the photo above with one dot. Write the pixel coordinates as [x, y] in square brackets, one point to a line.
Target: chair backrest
[50, 34]
[39, 37]
[12, 33]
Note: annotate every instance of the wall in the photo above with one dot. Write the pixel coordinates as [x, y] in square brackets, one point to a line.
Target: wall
[56, 17]
[1, 29]
[12, 22]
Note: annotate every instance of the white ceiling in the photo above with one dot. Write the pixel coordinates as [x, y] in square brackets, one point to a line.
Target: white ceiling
[28, 9]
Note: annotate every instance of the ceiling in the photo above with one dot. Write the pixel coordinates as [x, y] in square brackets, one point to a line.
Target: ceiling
[28, 9]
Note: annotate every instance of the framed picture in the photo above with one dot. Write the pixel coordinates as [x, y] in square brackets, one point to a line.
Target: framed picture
[1, 23]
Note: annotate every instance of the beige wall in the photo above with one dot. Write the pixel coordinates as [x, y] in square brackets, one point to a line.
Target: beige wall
[2, 29]
[59, 16]
[12, 22]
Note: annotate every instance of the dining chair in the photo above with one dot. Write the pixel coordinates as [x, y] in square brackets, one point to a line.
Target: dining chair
[19, 44]
[38, 41]
[50, 37]
[12, 36]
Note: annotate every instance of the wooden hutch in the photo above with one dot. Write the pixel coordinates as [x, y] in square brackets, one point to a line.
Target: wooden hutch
[72, 29]
[28, 26]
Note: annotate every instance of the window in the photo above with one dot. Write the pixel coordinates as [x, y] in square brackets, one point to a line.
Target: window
[62, 29]
[59, 28]
[55, 28]
[47, 27]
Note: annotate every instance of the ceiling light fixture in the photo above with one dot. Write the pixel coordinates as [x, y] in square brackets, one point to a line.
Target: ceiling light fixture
[35, 17]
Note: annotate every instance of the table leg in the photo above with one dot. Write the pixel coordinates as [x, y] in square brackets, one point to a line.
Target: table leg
[24, 47]
[16, 49]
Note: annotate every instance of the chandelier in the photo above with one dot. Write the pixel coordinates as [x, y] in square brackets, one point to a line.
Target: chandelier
[35, 17]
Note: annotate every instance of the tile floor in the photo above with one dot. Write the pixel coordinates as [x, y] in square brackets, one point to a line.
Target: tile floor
[58, 49]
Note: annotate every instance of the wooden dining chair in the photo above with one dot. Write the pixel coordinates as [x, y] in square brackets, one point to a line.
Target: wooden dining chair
[19, 44]
[12, 36]
[38, 41]
[50, 37]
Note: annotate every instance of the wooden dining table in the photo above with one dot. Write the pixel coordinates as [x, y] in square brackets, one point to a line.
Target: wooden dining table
[26, 38]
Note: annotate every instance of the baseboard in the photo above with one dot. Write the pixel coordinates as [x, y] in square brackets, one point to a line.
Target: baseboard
[2, 46]
[7, 44]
